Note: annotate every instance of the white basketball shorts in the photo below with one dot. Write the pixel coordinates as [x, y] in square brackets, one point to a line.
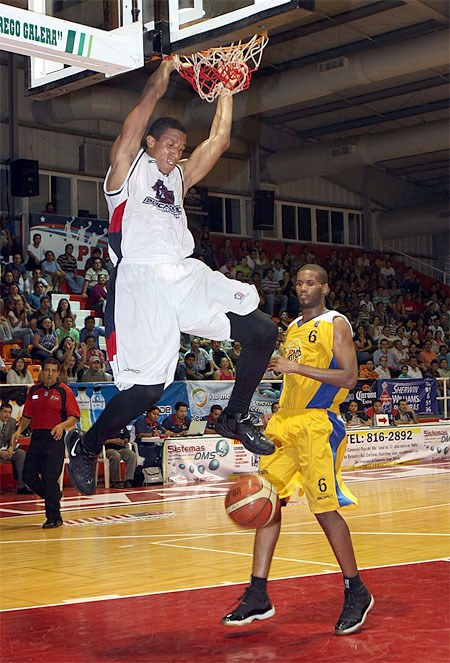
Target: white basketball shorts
[154, 303]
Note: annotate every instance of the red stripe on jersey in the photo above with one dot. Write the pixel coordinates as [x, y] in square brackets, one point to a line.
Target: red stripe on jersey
[115, 225]
[111, 345]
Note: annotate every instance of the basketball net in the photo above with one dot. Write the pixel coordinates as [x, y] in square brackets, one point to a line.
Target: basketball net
[223, 70]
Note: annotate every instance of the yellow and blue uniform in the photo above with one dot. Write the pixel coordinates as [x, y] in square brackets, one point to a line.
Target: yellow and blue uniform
[307, 430]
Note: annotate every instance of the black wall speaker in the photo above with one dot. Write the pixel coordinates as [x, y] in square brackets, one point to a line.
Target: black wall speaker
[24, 178]
[263, 210]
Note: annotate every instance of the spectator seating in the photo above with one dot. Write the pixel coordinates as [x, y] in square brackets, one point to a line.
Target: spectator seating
[8, 347]
[35, 370]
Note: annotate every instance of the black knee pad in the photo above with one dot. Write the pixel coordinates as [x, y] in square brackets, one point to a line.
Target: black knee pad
[255, 329]
[143, 395]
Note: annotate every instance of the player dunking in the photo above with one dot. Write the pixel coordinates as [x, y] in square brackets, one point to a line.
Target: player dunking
[156, 290]
[320, 366]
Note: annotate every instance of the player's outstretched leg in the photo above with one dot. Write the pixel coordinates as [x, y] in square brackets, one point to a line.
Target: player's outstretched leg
[81, 466]
[257, 334]
[83, 448]
[253, 604]
[357, 603]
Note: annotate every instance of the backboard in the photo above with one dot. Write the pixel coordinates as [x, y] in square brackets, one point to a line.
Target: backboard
[207, 23]
[92, 40]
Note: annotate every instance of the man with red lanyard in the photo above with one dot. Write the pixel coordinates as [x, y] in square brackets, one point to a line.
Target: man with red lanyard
[51, 409]
[177, 423]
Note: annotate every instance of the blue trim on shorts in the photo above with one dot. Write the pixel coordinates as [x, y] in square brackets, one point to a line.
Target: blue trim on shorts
[108, 319]
[336, 437]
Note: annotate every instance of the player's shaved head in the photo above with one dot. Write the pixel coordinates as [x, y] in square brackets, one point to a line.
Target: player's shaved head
[320, 272]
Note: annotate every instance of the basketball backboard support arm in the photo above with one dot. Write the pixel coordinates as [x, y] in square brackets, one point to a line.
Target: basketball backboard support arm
[34, 34]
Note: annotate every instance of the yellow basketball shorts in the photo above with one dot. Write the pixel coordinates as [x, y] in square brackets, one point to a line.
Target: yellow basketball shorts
[308, 457]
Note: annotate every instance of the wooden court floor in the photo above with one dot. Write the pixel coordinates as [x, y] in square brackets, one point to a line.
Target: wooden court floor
[169, 544]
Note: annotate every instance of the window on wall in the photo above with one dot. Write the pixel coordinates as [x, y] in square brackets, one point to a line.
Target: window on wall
[233, 221]
[225, 214]
[355, 229]
[70, 195]
[56, 189]
[304, 224]
[91, 199]
[61, 188]
[337, 227]
[323, 225]
[86, 198]
[38, 203]
[102, 206]
[288, 221]
[319, 224]
[296, 222]
[215, 214]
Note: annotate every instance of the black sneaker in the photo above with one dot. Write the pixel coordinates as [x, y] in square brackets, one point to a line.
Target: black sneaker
[357, 604]
[252, 605]
[51, 524]
[81, 465]
[24, 491]
[242, 427]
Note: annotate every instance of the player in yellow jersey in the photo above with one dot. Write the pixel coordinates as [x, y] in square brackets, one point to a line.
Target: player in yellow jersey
[319, 367]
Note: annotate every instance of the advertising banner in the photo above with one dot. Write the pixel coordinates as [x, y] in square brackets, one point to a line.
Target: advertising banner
[380, 447]
[206, 459]
[92, 399]
[420, 394]
[203, 395]
[199, 396]
[84, 233]
[365, 392]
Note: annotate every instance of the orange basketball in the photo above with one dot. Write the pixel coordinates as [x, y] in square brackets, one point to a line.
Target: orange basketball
[251, 501]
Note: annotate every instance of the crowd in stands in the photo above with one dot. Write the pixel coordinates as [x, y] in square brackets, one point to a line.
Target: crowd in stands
[401, 321]
[401, 324]
[32, 328]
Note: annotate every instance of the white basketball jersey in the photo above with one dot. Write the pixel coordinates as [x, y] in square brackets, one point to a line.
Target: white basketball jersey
[147, 221]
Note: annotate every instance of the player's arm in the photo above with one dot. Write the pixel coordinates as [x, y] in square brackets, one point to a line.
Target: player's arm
[345, 376]
[206, 155]
[127, 144]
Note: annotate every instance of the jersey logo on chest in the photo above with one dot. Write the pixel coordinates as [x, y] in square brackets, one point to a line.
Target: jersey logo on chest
[293, 350]
[162, 193]
[164, 199]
